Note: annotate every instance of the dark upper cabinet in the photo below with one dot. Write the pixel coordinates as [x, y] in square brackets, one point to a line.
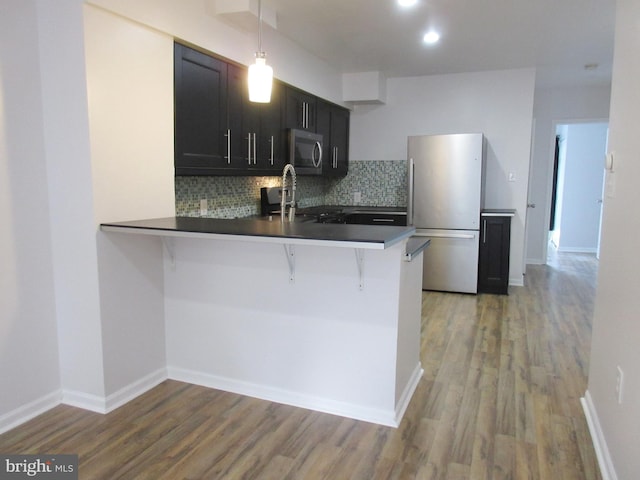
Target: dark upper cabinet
[239, 121]
[300, 108]
[332, 121]
[271, 133]
[493, 266]
[200, 111]
[257, 127]
[218, 131]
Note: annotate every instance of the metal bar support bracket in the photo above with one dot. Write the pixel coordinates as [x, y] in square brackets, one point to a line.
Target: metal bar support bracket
[360, 263]
[170, 248]
[291, 260]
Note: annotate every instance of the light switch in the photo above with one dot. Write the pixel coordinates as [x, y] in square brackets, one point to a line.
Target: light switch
[512, 177]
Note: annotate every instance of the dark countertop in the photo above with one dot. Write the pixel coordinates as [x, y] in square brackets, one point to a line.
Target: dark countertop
[356, 236]
[415, 246]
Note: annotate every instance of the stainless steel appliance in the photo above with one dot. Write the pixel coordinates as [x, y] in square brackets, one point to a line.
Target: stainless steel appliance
[445, 196]
[305, 152]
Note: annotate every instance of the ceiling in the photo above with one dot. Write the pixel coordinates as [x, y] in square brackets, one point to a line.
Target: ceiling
[558, 37]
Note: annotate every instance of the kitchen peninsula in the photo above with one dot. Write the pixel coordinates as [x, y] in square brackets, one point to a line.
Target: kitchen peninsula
[319, 316]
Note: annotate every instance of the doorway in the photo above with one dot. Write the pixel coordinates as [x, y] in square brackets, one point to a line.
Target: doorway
[578, 175]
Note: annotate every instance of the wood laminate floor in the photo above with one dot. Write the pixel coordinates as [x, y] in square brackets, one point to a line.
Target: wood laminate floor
[499, 400]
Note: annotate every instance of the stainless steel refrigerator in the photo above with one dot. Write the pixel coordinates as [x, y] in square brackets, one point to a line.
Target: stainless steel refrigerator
[445, 196]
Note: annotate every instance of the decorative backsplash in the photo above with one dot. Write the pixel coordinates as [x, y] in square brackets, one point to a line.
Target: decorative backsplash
[380, 183]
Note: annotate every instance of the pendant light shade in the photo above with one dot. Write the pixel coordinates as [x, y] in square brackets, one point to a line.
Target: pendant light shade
[260, 80]
[260, 74]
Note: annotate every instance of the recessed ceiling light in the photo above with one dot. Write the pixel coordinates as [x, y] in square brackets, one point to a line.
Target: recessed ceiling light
[407, 3]
[431, 37]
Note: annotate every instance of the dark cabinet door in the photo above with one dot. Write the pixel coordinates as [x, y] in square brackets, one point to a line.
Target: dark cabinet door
[300, 108]
[339, 153]
[200, 111]
[242, 119]
[271, 134]
[493, 267]
[260, 127]
[332, 122]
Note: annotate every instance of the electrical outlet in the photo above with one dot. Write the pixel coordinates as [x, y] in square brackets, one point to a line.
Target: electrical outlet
[619, 384]
[204, 207]
[357, 197]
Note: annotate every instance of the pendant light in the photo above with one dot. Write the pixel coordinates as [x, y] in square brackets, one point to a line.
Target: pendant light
[260, 74]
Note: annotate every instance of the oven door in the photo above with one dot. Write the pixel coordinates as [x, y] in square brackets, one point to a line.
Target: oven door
[305, 152]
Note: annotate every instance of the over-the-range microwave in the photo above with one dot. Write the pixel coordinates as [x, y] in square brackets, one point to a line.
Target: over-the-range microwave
[305, 152]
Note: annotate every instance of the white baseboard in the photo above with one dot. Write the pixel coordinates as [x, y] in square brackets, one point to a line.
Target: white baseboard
[343, 409]
[516, 282]
[135, 389]
[536, 261]
[605, 462]
[98, 404]
[408, 392]
[30, 410]
[577, 250]
[86, 401]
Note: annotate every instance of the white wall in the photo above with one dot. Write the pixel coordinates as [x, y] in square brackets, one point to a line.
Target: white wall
[29, 370]
[582, 187]
[131, 119]
[70, 198]
[616, 328]
[498, 104]
[551, 107]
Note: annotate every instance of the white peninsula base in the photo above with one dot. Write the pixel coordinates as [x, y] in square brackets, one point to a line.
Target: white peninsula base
[235, 321]
[320, 316]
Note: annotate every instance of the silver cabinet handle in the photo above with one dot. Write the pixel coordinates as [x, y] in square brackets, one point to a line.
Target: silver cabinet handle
[271, 159]
[317, 163]
[255, 159]
[228, 135]
[383, 220]
[484, 231]
[304, 114]
[249, 148]
[410, 193]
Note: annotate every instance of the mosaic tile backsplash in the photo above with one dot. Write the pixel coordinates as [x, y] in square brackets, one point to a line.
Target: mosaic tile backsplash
[380, 183]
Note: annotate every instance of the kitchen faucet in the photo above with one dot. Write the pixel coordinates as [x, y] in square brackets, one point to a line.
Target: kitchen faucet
[288, 168]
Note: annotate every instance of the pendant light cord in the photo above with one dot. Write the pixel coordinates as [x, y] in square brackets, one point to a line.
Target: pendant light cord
[260, 26]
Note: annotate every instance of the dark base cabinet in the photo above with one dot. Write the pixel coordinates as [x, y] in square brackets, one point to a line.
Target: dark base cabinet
[493, 267]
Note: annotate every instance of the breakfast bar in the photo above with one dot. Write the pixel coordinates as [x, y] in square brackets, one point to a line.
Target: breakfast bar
[320, 316]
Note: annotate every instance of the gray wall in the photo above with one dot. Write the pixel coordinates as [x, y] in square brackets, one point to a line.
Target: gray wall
[616, 329]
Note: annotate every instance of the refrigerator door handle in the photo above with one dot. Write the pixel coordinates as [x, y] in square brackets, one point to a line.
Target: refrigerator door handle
[464, 236]
[410, 200]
